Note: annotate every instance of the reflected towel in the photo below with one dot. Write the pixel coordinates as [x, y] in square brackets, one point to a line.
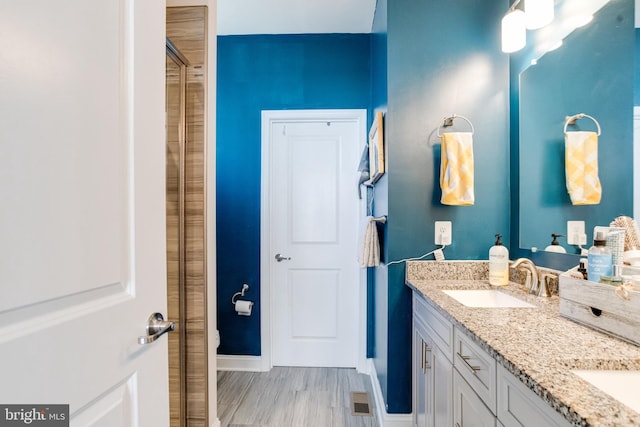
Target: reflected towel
[370, 252]
[456, 169]
[581, 166]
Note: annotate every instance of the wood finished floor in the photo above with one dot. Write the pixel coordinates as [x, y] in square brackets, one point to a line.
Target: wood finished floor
[292, 397]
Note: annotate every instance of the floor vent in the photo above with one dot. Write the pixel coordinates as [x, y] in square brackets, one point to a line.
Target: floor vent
[361, 404]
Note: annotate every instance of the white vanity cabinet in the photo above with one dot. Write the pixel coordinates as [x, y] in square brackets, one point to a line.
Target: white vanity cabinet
[432, 367]
[457, 383]
[518, 406]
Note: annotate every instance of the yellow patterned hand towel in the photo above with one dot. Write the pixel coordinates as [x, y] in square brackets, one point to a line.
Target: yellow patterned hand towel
[456, 169]
[581, 165]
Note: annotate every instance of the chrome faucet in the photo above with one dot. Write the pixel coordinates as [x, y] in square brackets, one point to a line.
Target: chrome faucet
[532, 280]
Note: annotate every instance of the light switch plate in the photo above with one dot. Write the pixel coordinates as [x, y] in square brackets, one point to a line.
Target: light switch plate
[442, 233]
[576, 233]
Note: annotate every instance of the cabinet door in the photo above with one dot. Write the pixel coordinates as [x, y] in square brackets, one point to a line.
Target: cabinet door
[518, 406]
[468, 409]
[421, 378]
[442, 372]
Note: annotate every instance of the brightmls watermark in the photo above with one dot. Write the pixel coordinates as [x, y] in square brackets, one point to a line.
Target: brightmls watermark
[34, 415]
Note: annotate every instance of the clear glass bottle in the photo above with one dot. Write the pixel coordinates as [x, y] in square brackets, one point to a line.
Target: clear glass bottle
[599, 259]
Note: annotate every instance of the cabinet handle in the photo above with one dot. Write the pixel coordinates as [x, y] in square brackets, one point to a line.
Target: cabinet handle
[427, 349]
[424, 357]
[465, 359]
[424, 362]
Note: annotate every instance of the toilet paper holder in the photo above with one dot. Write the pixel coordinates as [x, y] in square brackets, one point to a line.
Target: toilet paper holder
[235, 296]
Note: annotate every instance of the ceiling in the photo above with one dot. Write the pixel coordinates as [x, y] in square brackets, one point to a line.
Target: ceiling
[294, 16]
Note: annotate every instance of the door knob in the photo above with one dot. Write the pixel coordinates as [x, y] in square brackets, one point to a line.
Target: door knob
[280, 258]
[156, 327]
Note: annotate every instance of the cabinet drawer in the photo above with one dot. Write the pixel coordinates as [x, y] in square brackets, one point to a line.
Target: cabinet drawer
[520, 407]
[477, 367]
[441, 329]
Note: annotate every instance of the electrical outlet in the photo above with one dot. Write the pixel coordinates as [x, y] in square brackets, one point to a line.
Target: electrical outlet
[442, 233]
[576, 233]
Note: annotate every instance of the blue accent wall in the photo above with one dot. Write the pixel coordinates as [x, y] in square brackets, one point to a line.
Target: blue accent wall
[268, 72]
[443, 58]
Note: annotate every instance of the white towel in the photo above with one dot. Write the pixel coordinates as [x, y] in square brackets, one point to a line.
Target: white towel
[370, 252]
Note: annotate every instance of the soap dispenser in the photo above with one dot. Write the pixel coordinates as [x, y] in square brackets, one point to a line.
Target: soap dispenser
[498, 263]
[555, 246]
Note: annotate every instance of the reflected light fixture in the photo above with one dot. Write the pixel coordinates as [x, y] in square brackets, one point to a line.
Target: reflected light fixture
[555, 46]
[577, 21]
[514, 32]
[538, 12]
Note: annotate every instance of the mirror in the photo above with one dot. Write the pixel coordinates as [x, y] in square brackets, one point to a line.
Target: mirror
[592, 73]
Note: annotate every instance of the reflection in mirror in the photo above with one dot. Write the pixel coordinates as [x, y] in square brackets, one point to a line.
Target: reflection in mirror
[591, 73]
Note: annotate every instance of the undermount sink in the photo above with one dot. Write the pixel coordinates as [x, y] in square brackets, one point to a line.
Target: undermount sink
[487, 298]
[623, 386]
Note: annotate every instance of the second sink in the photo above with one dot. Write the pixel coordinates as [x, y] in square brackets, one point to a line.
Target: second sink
[487, 298]
[621, 385]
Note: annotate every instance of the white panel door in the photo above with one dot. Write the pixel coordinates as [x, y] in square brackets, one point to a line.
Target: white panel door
[314, 222]
[82, 233]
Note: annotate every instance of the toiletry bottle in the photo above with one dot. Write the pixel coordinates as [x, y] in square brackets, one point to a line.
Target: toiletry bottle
[498, 263]
[583, 268]
[599, 259]
[555, 246]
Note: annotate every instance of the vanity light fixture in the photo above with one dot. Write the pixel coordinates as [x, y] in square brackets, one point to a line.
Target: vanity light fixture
[514, 32]
[538, 13]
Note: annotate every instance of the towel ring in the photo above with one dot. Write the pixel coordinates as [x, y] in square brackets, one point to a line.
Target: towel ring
[448, 121]
[571, 120]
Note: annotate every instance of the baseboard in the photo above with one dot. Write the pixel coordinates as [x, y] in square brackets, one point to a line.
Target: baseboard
[239, 363]
[386, 420]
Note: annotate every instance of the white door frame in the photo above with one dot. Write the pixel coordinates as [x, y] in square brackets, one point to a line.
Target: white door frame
[270, 117]
[636, 158]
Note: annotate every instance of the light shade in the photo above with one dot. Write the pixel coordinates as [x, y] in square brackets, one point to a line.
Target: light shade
[514, 32]
[538, 12]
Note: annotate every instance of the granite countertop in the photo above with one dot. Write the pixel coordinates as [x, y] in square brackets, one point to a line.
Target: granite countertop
[535, 344]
